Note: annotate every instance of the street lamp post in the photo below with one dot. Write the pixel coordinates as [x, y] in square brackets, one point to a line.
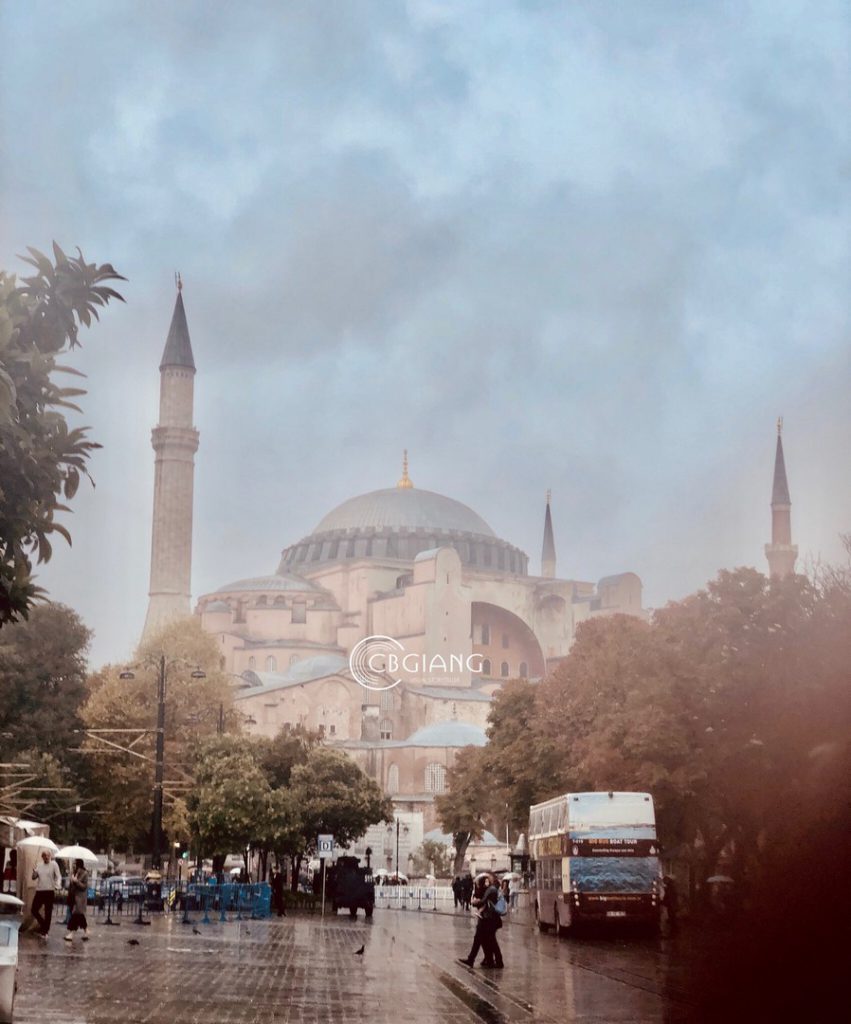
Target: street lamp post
[159, 758]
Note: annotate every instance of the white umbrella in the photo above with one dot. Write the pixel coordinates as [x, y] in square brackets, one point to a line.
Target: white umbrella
[38, 843]
[10, 900]
[77, 853]
[512, 876]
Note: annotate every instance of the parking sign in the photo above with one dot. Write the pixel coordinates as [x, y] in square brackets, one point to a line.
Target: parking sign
[325, 846]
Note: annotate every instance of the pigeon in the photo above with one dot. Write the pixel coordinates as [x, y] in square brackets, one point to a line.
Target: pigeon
[132, 942]
[359, 952]
[195, 931]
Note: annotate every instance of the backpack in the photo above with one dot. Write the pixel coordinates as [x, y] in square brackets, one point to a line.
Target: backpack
[501, 907]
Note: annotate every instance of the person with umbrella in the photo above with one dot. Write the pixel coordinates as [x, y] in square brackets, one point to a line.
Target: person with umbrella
[78, 896]
[48, 879]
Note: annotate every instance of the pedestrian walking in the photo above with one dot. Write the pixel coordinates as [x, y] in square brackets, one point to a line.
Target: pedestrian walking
[671, 902]
[278, 893]
[48, 879]
[456, 892]
[485, 896]
[513, 893]
[466, 891]
[78, 896]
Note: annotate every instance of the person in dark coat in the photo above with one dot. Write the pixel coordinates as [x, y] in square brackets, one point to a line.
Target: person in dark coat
[485, 895]
[670, 901]
[78, 898]
[466, 891]
[278, 893]
[456, 891]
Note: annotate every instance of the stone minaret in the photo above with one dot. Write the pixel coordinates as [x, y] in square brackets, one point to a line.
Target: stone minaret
[548, 550]
[175, 441]
[781, 552]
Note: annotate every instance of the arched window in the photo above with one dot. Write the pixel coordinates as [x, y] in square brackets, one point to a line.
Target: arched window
[252, 662]
[393, 779]
[271, 663]
[293, 659]
[503, 669]
[524, 670]
[486, 666]
[386, 729]
[435, 778]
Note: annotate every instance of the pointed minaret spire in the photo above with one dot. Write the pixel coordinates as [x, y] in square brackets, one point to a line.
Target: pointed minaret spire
[548, 550]
[781, 552]
[405, 481]
[175, 441]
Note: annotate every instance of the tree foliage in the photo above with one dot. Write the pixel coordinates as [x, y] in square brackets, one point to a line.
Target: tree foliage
[43, 682]
[41, 458]
[717, 706]
[122, 780]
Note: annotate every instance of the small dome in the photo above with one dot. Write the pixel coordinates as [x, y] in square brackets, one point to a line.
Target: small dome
[436, 836]
[280, 581]
[447, 734]
[404, 508]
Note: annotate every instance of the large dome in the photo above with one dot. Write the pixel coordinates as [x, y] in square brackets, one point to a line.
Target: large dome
[405, 509]
[397, 524]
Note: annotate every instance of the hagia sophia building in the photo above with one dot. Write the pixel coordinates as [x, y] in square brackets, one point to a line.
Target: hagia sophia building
[457, 606]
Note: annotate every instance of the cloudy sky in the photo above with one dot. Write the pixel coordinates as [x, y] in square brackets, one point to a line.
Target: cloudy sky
[591, 246]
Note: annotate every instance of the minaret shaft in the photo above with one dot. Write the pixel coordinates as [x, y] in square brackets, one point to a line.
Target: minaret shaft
[781, 552]
[175, 441]
[548, 548]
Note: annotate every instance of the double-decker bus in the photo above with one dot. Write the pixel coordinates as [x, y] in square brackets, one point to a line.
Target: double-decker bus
[595, 858]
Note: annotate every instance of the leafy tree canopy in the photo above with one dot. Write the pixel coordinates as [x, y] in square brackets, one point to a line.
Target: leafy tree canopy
[41, 458]
[43, 682]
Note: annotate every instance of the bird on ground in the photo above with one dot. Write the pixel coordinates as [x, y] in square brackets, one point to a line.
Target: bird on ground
[359, 952]
[132, 942]
[195, 931]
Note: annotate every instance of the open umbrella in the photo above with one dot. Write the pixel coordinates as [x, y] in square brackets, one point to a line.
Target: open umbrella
[38, 843]
[512, 876]
[720, 880]
[77, 853]
[10, 900]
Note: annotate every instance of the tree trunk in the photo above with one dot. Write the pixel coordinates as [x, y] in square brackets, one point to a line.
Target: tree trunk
[295, 861]
[462, 841]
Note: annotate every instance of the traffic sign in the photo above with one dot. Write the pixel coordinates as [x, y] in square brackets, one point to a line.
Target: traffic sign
[325, 846]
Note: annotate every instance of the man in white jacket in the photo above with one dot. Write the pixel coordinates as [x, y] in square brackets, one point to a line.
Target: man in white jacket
[48, 879]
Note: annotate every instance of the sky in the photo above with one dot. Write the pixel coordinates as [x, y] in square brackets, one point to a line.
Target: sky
[593, 247]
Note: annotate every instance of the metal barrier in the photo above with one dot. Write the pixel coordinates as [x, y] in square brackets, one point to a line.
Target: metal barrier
[414, 897]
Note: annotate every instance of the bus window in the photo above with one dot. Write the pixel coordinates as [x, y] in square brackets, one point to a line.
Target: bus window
[562, 815]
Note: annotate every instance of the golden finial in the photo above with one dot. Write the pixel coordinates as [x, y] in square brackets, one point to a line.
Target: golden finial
[549, 496]
[405, 481]
[178, 280]
[779, 425]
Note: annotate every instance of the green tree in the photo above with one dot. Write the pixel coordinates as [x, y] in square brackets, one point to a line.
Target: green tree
[432, 858]
[231, 805]
[335, 796]
[462, 810]
[41, 458]
[43, 682]
[120, 779]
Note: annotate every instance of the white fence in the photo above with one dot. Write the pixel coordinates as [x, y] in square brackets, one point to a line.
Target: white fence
[414, 897]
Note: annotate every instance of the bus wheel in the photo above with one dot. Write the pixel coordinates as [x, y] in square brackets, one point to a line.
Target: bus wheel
[542, 925]
[563, 928]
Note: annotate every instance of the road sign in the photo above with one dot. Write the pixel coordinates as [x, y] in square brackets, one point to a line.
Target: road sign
[325, 846]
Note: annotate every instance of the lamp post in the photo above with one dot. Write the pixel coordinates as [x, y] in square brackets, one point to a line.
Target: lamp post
[159, 758]
[404, 828]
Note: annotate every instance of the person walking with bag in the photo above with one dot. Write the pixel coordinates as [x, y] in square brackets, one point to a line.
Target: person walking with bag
[48, 879]
[78, 898]
[486, 900]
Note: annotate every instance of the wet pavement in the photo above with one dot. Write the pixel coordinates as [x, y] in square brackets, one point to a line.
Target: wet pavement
[301, 969]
